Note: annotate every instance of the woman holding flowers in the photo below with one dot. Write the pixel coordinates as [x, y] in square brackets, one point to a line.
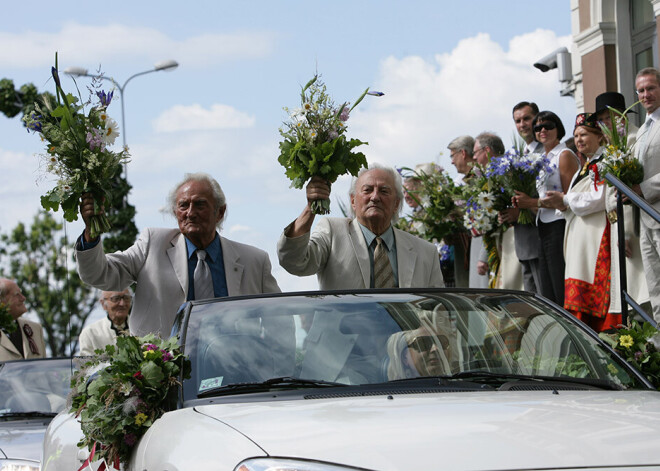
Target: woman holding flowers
[549, 130]
[587, 241]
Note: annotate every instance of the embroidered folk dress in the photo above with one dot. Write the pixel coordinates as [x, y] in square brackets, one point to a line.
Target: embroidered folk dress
[588, 254]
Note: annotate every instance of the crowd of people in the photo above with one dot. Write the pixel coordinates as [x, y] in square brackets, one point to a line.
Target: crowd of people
[567, 254]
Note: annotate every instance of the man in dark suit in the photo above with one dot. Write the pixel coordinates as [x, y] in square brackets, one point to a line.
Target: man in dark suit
[526, 236]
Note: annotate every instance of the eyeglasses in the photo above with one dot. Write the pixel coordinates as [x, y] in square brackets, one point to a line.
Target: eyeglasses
[475, 151]
[119, 297]
[548, 126]
[425, 343]
[647, 90]
[452, 154]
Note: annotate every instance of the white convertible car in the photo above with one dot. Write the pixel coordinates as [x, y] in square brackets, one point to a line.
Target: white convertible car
[392, 380]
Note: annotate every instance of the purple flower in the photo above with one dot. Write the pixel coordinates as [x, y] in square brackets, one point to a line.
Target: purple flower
[130, 439]
[638, 355]
[104, 98]
[343, 116]
[95, 139]
[35, 125]
[150, 346]
[167, 356]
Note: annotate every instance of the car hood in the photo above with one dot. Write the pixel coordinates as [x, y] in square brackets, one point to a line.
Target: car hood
[23, 439]
[466, 431]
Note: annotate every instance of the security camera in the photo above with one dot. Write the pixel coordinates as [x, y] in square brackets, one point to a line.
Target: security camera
[559, 59]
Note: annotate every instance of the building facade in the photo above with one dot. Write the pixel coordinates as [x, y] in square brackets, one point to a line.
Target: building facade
[612, 41]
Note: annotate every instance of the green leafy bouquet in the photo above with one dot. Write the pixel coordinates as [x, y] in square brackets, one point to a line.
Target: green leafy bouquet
[137, 383]
[77, 151]
[314, 141]
[7, 322]
[634, 343]
[618, 158]
[441, 205]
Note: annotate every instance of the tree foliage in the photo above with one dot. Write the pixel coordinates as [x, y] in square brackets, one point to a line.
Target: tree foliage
[37, 258]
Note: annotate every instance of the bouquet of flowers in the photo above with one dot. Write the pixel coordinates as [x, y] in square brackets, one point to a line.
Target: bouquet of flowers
[618, 158]
[441, 204]
[7, 322]
[515, 171]
[634, 343]
[136, 384]
[315, 143]
[77, 151]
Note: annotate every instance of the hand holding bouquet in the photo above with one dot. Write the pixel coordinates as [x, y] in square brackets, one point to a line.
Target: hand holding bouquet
[77, 151]
[314, 141]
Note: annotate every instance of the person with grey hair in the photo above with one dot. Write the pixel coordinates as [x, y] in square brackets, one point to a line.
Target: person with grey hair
[365, 250]
[171, 266]
[461, 153]
[26, 338]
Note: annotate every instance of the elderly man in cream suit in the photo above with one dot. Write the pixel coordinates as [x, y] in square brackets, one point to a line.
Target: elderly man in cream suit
[647, 150]
[165, 263]
[117, 305]
[27, 341]
[342, 252]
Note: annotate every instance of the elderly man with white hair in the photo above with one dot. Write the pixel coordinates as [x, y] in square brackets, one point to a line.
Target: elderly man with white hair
[171, 266]
[364, 251]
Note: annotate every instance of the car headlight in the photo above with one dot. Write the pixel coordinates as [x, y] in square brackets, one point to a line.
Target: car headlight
[19, 465]
[283, 464]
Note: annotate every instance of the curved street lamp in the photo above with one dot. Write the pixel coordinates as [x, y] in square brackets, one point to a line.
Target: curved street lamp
[167, 65]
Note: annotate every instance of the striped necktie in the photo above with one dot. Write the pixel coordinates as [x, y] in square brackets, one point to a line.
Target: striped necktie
[383, 274]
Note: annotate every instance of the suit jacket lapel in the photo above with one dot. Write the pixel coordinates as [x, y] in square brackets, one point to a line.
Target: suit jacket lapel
[361, 251]
[178, 257]
[233, 269]
[7, 344]
[406, 257]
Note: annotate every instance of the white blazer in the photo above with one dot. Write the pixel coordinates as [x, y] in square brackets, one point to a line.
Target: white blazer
[338, 254]
[8, 350]
[158, 263]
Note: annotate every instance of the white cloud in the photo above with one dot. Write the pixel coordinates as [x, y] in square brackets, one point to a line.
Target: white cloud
[84, 44]
[195, 117]
[465, 91]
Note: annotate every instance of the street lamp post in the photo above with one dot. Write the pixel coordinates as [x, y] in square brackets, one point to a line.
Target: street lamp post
[82, 72]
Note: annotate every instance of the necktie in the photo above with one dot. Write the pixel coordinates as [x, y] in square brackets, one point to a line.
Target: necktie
[202, 277]
[383, 275]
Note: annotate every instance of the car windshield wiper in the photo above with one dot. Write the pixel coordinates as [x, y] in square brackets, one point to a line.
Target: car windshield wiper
[14, 415]
[283, 382]
[495, 377]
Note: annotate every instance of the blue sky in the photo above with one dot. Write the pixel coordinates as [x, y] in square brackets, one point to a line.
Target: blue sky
[446, 68]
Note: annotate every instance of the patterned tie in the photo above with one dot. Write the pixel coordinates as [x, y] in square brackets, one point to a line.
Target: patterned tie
[202, 277]
[383, 274]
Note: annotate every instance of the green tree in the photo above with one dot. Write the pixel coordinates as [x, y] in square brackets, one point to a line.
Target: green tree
[120, 212]
[36, 257]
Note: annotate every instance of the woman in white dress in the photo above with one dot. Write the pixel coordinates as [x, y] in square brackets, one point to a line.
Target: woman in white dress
[549, 130]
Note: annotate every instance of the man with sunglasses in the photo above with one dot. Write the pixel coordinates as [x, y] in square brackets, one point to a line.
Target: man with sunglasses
[20, 338]
[117, 305]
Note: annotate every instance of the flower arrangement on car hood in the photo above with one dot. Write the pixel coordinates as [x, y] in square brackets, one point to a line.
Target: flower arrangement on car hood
[77, 152]
[315, 143]
[137, 383]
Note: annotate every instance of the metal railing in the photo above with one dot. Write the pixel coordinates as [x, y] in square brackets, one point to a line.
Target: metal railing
[634, 198]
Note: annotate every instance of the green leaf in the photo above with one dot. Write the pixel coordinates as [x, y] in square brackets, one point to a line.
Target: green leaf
[153, 374]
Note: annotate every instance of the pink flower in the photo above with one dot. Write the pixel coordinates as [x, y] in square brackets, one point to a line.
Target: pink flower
[167, 356]
[150, 346]
[343, 116]
[138, 375]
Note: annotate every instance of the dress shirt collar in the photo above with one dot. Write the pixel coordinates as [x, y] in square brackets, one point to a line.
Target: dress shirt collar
[387, 236]
[212, 251]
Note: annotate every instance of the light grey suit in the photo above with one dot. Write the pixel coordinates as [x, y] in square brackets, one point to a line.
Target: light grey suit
[8, 350]
[158, 263]
[338, 254]
[647, 150]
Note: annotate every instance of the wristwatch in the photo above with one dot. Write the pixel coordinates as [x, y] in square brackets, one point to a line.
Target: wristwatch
[538, 203]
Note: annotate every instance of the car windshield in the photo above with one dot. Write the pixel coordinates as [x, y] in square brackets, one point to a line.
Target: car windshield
[370, 338]
[34, 386]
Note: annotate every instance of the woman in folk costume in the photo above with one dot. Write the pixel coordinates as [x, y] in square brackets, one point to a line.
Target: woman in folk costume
[587, 240]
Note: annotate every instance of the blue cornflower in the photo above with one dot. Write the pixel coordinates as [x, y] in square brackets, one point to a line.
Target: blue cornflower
[104, 98]
[35, 125]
